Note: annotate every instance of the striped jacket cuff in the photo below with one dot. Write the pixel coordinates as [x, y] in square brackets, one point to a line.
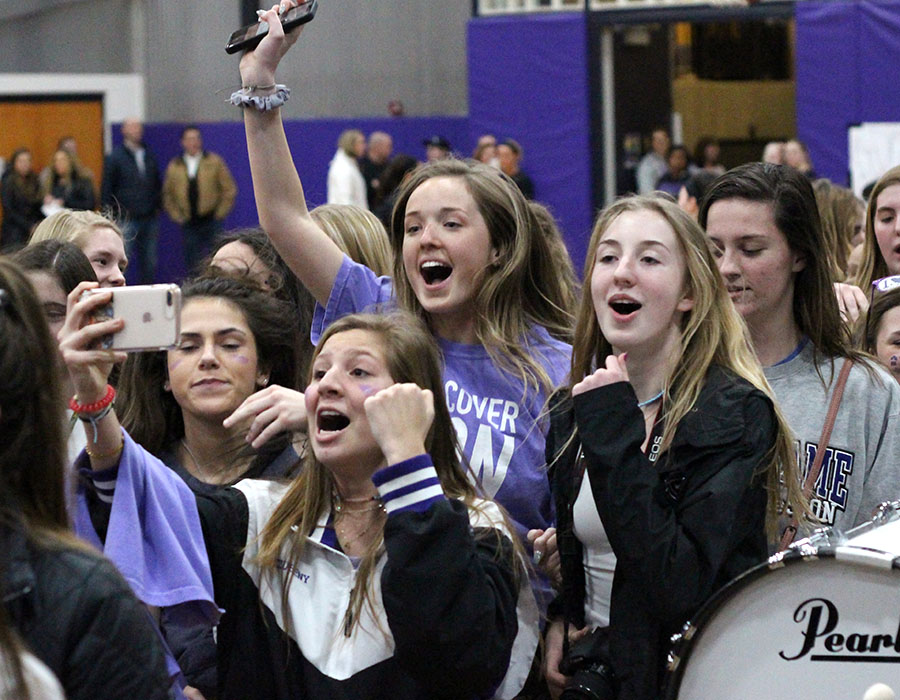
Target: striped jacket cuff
[411, 485]
[103, 481]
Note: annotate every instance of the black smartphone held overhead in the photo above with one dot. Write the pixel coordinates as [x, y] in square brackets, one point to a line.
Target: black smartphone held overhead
[248, 37]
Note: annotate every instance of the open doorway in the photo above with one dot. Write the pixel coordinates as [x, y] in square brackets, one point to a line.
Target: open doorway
[730, 80]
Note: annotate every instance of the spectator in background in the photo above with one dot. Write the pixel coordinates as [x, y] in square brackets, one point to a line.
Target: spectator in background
[707, 156]
[692, 192]
[486, 150]
[796, 155]
[773, 153]
[374, 163]
[653, 165]
[843, 217]
[66, 188]
[131, 187]
[69, 145]
[20, 193]
[509, 155]
[346, 184]
[676, 174]
[394, 175]
[198, 193]
[436, 148]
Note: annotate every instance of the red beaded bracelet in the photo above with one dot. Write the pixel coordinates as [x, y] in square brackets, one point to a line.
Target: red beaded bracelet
[95, 407]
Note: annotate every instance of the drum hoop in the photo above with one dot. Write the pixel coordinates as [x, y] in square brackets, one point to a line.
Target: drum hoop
[699, 620]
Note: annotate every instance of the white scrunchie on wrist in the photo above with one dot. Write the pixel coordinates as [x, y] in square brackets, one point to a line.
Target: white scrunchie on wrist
[264, 103]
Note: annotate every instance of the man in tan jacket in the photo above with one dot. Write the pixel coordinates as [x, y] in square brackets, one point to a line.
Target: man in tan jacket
[198, 193]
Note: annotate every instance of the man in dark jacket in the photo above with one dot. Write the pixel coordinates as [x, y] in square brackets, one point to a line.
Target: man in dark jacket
[131, 187]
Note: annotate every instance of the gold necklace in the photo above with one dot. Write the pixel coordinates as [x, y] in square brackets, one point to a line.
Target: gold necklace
[340, 510]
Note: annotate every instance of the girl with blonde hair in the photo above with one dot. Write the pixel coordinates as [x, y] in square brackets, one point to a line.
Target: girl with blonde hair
[98, 237]
[357, 232]
[881, 247]
[329, 582]
[667, 451]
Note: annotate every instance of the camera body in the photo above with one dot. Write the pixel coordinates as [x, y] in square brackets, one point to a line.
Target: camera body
[587, 664]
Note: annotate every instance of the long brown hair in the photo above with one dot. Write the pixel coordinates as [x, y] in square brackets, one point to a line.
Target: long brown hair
[873, 266]
[151, 415]
[412, 355]
[712, 333]
[32, 440]
[815, 306]
[516, 293]
[839, 211]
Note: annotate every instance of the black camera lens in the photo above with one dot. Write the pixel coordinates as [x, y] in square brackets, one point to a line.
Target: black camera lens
[592, 683]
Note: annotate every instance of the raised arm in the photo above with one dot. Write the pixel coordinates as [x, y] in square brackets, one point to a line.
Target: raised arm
[89, 370]
[280, 202]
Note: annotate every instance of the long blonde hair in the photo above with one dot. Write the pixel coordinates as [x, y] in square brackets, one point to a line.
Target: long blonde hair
[518, 291]
[357, 232]
[873, 266]
[712, 333]
[73, 227]
[412, 355]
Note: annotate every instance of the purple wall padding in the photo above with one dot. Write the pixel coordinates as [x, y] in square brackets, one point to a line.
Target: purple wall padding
[313, 143]
[847, 54]
[528, 80]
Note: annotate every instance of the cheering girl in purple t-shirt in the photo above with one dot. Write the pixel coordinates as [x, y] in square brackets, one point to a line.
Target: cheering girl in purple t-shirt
[468, 259]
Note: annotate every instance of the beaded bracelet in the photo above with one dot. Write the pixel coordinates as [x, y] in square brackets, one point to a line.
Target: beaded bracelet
[104, 455]
[96, 406]
[264, 103]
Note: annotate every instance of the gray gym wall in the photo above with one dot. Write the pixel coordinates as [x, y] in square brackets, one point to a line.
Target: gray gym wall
[352, 60]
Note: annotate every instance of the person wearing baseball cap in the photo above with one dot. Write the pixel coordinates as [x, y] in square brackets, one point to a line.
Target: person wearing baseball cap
[436, 148]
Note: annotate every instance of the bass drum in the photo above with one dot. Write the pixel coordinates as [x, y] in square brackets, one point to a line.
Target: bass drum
[820, 620]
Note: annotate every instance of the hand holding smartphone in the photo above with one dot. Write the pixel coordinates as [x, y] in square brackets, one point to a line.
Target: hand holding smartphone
[248, 37]
[152, 315]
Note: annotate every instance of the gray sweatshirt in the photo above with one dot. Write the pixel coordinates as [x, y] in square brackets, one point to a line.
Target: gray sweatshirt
[862, 466]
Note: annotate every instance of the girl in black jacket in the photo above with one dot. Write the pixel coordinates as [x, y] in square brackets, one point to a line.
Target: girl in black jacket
[378, 572]
[67, 603]
[667, 451]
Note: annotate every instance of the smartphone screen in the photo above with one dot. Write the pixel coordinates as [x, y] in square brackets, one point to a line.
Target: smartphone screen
[248, 37]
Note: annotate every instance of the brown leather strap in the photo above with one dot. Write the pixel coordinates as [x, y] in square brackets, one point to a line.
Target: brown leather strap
[791, 530]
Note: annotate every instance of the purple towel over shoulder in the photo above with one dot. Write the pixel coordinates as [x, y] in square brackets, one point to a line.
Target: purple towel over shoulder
[154, 536]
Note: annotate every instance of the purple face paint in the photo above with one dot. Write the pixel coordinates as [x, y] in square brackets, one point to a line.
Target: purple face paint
[894, 360]
[242, 359]
[366, 389]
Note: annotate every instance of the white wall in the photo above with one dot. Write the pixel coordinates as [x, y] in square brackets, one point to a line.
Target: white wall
[352, 60]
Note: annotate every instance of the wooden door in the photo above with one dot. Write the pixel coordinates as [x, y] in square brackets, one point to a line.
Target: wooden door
[38, 122]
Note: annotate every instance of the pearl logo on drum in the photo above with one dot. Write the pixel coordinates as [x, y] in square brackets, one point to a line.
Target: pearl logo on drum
[822, 641]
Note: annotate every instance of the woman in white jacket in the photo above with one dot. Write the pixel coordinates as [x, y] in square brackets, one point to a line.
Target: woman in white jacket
[346, 184]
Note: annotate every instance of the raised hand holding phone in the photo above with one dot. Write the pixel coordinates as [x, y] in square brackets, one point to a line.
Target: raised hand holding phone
[247, 38]
[88, 367]
[258, 65]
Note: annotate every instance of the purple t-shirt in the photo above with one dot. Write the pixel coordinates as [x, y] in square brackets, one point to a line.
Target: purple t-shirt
[501, 430]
